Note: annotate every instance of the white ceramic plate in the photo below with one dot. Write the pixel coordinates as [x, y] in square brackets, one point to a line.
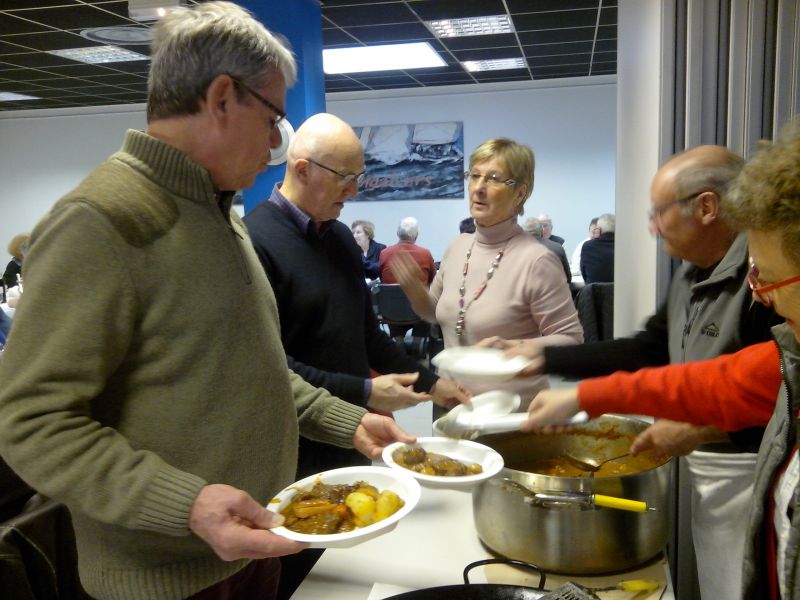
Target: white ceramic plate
[403, 484]
[463, 450]
[485, 364]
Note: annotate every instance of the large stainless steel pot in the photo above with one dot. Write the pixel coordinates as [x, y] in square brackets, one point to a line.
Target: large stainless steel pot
[565, 537]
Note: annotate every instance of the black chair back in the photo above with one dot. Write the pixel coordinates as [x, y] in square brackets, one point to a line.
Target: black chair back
[393, 305]
[595, 304]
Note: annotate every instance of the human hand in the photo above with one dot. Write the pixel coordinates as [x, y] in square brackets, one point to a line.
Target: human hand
[549, 406]
[395, 392]
[533, 350]
[449, 393]
[406, 270]
[235, 525]
[674, 438]
[375, 432]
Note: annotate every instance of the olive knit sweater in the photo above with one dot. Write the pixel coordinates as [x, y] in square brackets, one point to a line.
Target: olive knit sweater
[159, 370]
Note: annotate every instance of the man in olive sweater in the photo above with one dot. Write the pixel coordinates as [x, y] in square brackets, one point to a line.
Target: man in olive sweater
[163, 417]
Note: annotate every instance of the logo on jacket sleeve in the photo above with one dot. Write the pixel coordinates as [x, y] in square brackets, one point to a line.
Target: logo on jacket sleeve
[711, 330]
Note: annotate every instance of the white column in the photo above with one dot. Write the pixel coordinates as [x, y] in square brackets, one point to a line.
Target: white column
[639, 48]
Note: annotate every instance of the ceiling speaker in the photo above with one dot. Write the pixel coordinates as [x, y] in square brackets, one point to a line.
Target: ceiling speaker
[278, 155]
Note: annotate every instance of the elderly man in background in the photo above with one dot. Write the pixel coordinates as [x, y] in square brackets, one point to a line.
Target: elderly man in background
[597, 255]
[534, 227]
[547, 229]
[407, 233]
[709, 311]
[166, 432]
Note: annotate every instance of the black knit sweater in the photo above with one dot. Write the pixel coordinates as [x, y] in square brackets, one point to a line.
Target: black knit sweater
[328, 326]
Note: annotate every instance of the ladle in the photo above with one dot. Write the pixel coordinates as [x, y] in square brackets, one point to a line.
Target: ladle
[592, 465]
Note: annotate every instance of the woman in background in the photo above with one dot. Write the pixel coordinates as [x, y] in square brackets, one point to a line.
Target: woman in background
[498, 281]
[364, 233]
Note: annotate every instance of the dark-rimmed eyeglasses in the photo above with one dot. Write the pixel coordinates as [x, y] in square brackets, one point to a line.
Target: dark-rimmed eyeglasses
[655, 212]
[492, 179]
[280, 114]
[345, 178]
[762, 290]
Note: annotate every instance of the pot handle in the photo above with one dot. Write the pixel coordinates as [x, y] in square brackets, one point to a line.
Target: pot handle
[506, 561]
[582, 500]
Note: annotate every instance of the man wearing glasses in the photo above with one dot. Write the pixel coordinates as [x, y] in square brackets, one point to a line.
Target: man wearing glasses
[709, 311]
[328, 327]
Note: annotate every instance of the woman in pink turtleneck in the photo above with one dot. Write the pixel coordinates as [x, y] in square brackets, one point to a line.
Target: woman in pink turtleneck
[498, 281]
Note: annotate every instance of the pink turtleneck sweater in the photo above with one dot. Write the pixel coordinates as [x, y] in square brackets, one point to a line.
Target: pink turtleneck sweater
[527, 297]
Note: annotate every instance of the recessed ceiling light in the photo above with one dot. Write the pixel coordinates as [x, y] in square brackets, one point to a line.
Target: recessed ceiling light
[12, 97]
[493, 65]
[389, 57]
[99, 54]
[447, 28]
[130, 35]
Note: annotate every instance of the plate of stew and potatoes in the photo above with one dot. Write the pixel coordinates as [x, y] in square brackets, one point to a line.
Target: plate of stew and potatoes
[344, 507]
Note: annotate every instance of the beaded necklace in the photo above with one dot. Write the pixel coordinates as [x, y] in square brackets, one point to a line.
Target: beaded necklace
[462, 290]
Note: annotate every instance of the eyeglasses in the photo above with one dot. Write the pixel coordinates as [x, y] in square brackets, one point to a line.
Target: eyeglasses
[492, 179]
[260, 98]
[655, 212]
[346, 178]
[761, 290]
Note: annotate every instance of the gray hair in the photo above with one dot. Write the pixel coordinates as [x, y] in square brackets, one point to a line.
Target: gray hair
[408, 230]
[192, 46]
[606, 222]
[713, 170]
[534, 227]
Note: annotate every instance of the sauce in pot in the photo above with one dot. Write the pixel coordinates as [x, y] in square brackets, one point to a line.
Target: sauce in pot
[561, 466]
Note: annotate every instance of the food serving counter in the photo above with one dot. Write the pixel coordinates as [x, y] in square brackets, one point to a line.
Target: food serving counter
[430, 547]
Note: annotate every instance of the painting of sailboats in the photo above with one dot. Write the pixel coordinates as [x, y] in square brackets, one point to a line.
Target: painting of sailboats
[424, 161]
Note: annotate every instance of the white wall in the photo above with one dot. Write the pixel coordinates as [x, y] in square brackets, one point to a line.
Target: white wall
[570, 124]
[44, 157]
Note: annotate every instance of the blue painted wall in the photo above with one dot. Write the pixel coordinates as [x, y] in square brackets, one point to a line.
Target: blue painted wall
[299, 21]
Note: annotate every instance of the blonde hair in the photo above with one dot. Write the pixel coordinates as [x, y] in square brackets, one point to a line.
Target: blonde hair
[367, 226]
[766, 194]
[18, 245]
[518, 160]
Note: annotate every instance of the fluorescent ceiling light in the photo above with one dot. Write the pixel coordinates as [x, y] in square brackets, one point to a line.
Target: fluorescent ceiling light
[494, 65]
[389, 57]
[447, 28]
[151, 10]
[99, 54]
[12, 97]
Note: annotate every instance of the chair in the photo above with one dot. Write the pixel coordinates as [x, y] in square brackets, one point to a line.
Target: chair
[595, 304]
[394, 309]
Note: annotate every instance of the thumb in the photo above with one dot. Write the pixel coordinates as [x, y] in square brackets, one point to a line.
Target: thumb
[259, 516]
[406, 378]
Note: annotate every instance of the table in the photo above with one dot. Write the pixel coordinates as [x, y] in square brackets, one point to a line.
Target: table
[431, 547]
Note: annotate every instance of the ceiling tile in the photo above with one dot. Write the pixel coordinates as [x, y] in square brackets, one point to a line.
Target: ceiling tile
[551, 49]
[480, 41]
[380, 34]
[572, 34]
[526, 6]
[449, 9]
[376, 14]
[555, 20]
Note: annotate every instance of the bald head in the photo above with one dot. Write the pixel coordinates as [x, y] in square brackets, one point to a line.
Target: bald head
[687, 198]
[324, 160]
[705, 168]
[324, 137]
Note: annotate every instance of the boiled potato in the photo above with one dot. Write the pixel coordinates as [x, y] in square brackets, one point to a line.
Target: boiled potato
[387, 504]
[363, 508]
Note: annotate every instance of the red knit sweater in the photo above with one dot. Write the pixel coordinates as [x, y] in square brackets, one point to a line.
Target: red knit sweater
[732, 392]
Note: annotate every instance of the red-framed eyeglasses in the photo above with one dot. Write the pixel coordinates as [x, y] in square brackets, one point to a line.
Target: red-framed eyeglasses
[761, 290]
